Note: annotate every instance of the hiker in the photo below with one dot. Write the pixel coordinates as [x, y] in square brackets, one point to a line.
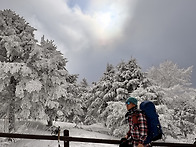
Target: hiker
[137, 133]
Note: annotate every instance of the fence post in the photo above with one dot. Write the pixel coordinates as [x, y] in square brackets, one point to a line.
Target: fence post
[66, 133]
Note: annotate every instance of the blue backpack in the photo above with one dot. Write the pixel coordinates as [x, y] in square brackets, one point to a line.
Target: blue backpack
[154, 127]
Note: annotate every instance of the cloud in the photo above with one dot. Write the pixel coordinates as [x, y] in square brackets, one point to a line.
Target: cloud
[95, 33]
[168, 25]
[162, 30]
[77, 33]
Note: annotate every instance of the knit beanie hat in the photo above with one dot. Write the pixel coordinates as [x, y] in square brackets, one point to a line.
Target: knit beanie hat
[131, 100]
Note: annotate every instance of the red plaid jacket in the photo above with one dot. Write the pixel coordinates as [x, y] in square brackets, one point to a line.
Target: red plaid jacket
[137, 127]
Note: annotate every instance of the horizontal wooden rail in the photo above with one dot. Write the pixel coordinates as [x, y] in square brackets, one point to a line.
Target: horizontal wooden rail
[90, 140]
[62, 138]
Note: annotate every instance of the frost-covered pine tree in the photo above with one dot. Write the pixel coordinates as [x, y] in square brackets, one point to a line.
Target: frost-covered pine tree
[16, 42]
[83, 87]
[33, 76]
[99, 94]
[71, 103]
[61, 87]
[128, 78]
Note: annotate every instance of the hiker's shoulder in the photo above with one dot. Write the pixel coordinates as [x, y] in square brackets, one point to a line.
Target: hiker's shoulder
[139, 111]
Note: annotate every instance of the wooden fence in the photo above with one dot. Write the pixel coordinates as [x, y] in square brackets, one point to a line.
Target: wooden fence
[66, 138]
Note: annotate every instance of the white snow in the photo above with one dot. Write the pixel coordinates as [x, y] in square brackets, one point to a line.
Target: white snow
[31, 127]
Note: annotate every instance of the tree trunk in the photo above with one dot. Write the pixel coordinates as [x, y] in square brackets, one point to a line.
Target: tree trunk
[51, 115]
[11, 118]
[50, 122]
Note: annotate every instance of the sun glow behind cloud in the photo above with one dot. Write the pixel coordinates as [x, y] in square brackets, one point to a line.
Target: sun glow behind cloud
[108, 19]
[103, 19]
[108, 24]
[102, 22]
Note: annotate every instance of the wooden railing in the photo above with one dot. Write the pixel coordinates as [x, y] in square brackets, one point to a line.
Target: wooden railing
[66, 138]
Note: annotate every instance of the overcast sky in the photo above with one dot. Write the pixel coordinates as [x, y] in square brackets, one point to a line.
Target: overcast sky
[92, 33]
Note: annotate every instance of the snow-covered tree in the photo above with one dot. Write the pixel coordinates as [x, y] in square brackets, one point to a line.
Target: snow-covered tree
[115, 118]
[116, 85]
[128, 78]
[33, 76]
[168, 74]
[16, 43]
[152, 92]
[71, 103]
[83, 87]
[100, 93]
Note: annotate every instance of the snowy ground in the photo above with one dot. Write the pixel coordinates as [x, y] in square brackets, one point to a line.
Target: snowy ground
[93, 131]
[39, 127]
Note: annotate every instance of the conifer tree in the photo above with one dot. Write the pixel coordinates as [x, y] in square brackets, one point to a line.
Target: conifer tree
[83, 87]
[71, 102]
[16, 42]
[34, 77]
[128, 78]
[115, 85]
[99, 94]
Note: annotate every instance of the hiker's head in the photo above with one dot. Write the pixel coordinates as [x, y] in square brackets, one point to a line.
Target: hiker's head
[131, 102]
